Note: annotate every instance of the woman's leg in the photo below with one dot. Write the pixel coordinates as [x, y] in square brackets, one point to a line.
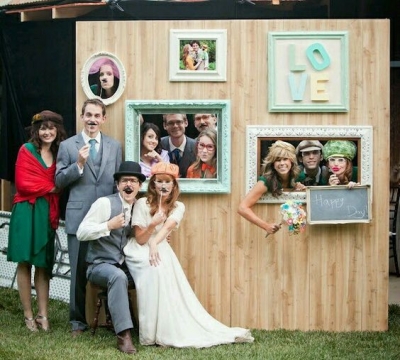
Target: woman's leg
[24, 288]
[42, 291]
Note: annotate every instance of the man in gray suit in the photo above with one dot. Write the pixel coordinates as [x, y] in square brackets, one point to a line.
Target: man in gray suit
[181, 148]
[86, 164]
[106, 227]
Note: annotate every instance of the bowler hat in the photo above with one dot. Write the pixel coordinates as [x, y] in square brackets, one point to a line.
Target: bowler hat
[130, 168]
[165, 168]
[308, 145]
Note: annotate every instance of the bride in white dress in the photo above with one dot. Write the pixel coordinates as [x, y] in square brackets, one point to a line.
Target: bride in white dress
[169, 311]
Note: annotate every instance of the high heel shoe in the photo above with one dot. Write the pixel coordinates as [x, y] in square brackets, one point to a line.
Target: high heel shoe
[42, 322]
[31, 324]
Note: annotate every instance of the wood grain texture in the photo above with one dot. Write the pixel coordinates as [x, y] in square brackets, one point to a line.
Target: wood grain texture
[332, 277]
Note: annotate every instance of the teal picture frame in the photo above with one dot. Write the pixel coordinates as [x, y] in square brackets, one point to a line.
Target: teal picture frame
[308, 71]
[135, 109]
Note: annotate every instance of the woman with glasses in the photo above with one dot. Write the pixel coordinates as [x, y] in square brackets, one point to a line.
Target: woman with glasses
[205, 165]
[151, 151]
[279, 171]
[169, 312]
[340, 155]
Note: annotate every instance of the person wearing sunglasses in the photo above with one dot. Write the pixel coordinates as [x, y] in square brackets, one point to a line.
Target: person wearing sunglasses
[309, 156]
[205, 165]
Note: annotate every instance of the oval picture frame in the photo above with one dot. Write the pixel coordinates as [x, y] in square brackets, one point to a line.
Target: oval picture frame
[90, 77]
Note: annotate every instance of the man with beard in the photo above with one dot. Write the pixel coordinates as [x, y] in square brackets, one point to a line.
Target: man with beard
[107, 227]
[85, 166]
[205, 121]
[309, 156]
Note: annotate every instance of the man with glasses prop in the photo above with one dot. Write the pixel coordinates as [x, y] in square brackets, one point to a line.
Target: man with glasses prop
[309, 156]
[107, 227]
[181, 148]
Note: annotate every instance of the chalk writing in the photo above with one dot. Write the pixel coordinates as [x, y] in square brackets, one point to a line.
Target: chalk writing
[329, 203]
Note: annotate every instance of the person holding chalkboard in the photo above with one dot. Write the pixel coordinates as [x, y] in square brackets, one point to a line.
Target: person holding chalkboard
[279, 172]
[340, 155]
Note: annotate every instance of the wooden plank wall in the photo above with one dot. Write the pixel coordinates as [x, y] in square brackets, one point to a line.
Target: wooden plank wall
[329, 278]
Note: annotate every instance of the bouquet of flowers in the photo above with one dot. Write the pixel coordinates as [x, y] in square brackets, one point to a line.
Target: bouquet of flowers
[294, 216]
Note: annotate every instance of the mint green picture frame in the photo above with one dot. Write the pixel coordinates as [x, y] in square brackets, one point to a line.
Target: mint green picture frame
[135, 108]
[308, 71]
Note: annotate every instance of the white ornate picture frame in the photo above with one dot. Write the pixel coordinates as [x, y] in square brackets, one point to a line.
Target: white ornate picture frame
[308, 71]
[361, 135]
[136, 109]
[218, 55]
[90, 78]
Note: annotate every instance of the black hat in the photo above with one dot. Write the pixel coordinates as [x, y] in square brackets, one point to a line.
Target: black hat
[129, 168]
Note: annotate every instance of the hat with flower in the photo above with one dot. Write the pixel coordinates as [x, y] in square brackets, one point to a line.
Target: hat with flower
[340, 148]
[47, 115]
[165, 168]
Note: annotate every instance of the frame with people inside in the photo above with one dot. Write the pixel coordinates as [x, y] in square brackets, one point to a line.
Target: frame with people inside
[193, 134]
[326, 155]
[103, 76]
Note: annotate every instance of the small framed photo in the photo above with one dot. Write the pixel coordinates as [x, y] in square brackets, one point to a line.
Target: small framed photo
[197, 55]
[103, 76]
[169, 120]
[308, 71]
[260, 138]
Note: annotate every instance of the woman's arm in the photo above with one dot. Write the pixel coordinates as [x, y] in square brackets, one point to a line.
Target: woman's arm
[245, 208]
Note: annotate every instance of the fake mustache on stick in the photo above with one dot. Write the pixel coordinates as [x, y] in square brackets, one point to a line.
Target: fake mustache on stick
[127, 190]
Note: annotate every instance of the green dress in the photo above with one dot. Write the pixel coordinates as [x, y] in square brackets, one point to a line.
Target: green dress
[31, 238]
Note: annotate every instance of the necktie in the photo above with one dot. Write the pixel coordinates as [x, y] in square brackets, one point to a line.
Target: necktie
[175, 156]
[92, 150]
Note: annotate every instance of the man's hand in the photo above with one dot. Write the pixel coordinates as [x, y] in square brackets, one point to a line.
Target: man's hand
[116, 222]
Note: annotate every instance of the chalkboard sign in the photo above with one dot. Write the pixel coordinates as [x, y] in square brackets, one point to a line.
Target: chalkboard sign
[338, 204]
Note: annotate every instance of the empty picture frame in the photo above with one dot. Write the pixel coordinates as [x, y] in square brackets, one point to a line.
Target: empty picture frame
[214, 56]
[152, 110]
[103, 76]
[259, 138]
[308, 71]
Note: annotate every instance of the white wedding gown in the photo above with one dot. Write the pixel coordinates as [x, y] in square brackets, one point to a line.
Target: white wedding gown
[169, 311]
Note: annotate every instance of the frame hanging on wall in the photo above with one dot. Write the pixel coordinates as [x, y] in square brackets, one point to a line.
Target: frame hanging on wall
[153, 111]
[206, 52]
[308, 71]
[259, 138]
[103, 76]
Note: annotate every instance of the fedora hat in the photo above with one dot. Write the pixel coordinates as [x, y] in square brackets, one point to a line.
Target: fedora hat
[129, 168]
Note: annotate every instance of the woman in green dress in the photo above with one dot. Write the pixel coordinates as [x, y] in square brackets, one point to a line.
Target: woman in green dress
[35, 214]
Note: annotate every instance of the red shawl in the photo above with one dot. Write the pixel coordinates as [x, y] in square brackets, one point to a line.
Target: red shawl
[32, 181]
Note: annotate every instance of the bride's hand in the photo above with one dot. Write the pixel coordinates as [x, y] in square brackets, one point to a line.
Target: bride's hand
[154, 255]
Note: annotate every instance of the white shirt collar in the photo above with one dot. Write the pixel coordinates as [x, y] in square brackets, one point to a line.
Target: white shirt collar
[181, 147]
[87, 138]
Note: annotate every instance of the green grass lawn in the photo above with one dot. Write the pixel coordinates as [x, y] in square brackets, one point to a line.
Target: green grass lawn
[16, 342]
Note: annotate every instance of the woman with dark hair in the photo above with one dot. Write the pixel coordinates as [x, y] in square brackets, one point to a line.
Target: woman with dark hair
[35, 214]
[279, 171]
[339, 155]
[107, 78]
[150, 147]
[169, 312]
[205, 165]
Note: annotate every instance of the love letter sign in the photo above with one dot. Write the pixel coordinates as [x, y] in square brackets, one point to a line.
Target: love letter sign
[308, 71]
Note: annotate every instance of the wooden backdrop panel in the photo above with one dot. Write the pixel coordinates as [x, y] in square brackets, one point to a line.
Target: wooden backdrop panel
[332, 277]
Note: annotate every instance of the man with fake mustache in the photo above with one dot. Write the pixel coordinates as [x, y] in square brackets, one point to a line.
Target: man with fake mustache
[86, 163]
[106, 227]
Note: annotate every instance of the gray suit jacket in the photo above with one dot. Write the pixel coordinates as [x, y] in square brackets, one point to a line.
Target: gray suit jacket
[188, 157]
[85, 189]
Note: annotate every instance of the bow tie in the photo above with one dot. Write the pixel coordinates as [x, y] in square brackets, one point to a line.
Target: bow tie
[210, 168]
